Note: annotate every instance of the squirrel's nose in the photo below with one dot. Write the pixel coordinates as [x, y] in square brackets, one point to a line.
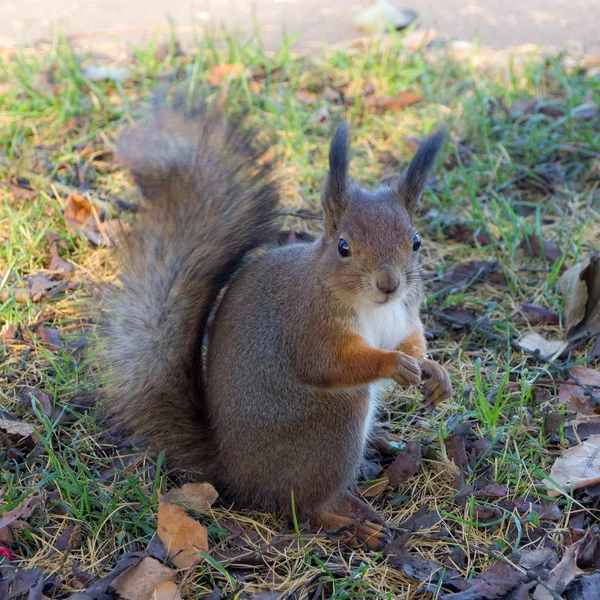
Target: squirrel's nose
[387, 281]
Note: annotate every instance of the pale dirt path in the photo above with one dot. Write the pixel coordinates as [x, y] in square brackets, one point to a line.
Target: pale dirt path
[498, 23]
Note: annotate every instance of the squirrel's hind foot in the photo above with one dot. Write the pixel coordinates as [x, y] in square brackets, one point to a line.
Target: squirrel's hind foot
[357, 521]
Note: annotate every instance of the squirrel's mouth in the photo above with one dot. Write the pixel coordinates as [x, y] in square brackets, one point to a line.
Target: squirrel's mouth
[384, 301]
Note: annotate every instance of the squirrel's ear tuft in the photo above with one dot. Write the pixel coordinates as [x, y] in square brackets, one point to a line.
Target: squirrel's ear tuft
[412, 183]
[334, 197]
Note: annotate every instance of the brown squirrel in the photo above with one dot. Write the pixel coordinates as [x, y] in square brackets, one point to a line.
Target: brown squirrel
[285, 405]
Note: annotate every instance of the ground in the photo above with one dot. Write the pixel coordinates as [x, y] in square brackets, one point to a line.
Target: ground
[119, 23]
[512, 204]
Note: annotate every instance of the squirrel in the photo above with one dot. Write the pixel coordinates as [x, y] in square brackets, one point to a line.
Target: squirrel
[278, 411]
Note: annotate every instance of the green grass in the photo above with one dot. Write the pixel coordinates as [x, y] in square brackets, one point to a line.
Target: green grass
[525, 174]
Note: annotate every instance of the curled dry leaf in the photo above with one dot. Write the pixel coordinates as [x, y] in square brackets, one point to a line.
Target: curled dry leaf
[577, 398]
[140, 581]
[182, 536]
[49, 336]
[81, 217]
[495, 583]
[58, 264]
[580, 287]
[562, 574]
[397, 103]
[534, 342]
[29, 395]
[166, 591]
[469, 274]
[405, 465]
[194, 496]
[17, 518]
[578, 467]
[541, 248]
[539, 314]
[16, 428]
[36, 289]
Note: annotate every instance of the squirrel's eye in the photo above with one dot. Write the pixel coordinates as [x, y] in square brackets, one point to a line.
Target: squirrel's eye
[416, 242]
[343, 248]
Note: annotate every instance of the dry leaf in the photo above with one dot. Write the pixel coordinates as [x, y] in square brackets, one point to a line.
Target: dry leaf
[405, 465]
[538, 314]
[580, 286]
[493, 584]
[578, 467]
[166, 591]
[42, 399]
[18, 428]
[399, 102]
[469, 274]
[182, 536]
[537, 248]
[17, 518]
[575, 397]
[81, 217]
[49, 336]
[37, 288]
[562, 574]
[219, 73]
[195, 496]
[59, 265]
[534, 342]
[140, 581]
[371, 489]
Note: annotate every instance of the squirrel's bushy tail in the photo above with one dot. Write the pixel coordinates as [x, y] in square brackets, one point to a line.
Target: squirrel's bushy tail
[209, 199]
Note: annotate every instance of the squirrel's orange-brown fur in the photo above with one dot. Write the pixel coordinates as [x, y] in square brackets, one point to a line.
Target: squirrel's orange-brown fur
[299, 337]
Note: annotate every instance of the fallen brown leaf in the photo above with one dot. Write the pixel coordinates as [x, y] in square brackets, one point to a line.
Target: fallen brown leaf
[194, 496]
[534, 342]
[17, 518]
[397, 103]
[577, 467]
[37, 288]
[219, 73]
[140, 581]
[18, 428]
[585, 588]
[495, 583]
[575, 397]
[81, 217]
[533, 246]
[166, 591]
[467, 274]
[562, 574]
[539, 314]
[49, 336]
[58, 264]
[580, 287]
[182, 536]
[405, 465]
[29, 395]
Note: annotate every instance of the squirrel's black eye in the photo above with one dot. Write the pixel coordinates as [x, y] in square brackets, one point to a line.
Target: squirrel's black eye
[343, 248]
[416, 242]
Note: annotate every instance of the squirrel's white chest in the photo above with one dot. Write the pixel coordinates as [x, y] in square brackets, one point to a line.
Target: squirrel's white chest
[384, 327]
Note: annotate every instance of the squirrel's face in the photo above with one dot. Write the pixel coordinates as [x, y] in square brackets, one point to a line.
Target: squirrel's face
[371, 247]
[372, 256]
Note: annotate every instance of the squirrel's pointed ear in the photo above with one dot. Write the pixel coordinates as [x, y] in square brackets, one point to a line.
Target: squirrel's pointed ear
[335, 193]
[412, 183]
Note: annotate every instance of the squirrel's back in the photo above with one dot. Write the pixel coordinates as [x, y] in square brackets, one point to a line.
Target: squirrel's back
[209, 200]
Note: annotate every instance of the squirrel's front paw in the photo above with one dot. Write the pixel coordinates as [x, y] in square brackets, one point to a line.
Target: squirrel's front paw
[408, 370]
[437, 386]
